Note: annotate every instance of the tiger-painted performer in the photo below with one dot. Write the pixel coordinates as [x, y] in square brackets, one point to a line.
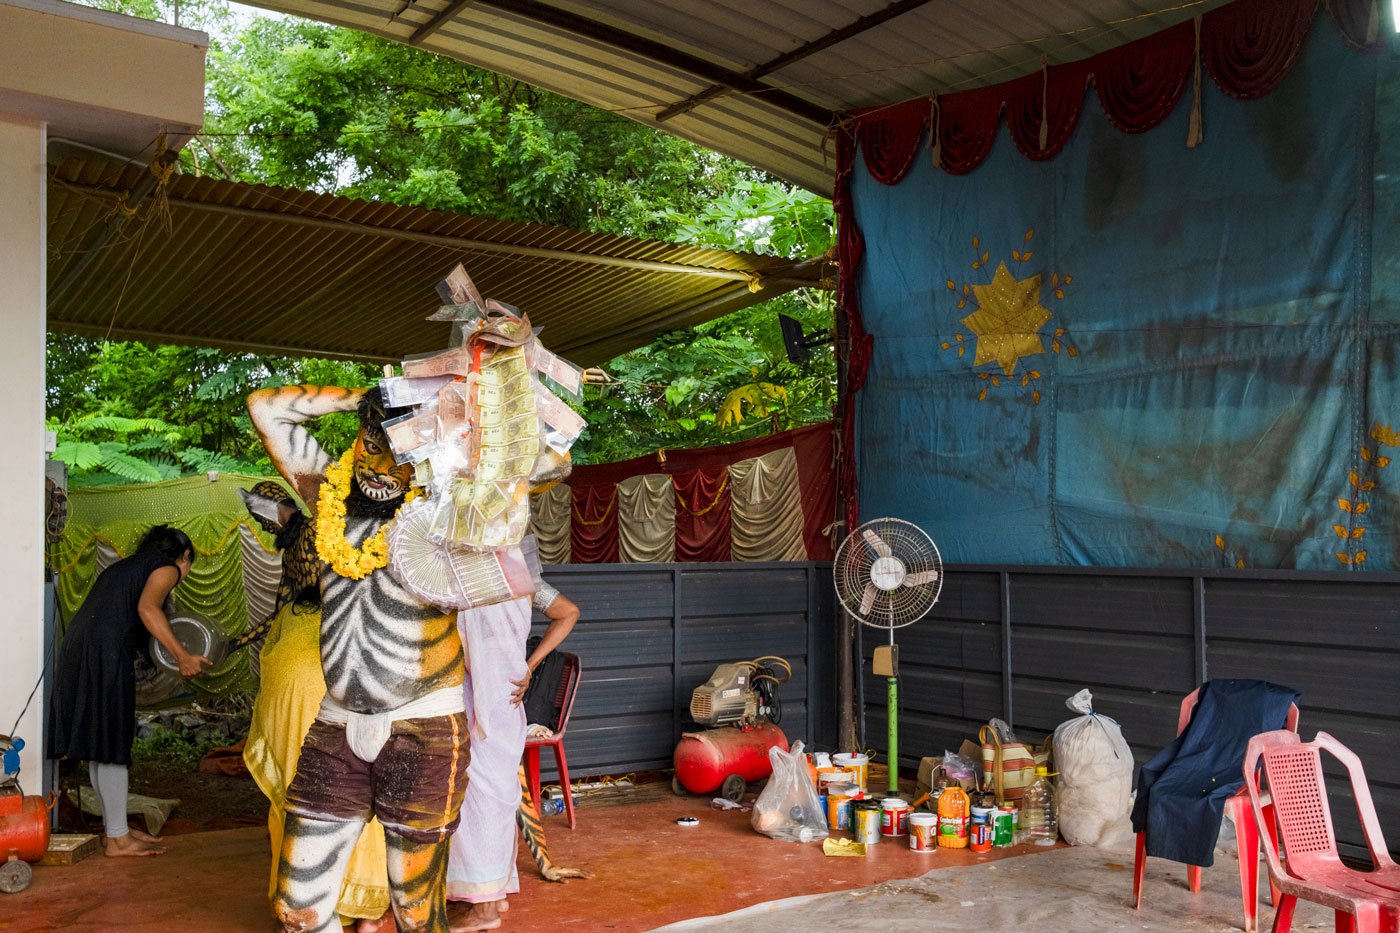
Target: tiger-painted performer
[290, 691]
[390, 740]
[481, 871]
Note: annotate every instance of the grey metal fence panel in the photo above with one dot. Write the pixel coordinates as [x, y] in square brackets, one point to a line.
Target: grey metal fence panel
[651, 633]
[1015, 642]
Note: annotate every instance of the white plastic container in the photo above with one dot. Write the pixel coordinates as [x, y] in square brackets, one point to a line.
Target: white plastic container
[923, 832]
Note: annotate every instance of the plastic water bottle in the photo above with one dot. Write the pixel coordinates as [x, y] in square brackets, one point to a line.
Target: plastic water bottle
[1038, 816]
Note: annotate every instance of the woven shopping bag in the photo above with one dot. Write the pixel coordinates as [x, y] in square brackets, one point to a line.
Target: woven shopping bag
[1008, 768]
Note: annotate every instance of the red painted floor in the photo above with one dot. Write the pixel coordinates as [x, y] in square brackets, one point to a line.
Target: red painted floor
[648, 872]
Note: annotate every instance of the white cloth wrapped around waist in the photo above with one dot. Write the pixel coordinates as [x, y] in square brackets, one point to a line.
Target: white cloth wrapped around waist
[366, 733]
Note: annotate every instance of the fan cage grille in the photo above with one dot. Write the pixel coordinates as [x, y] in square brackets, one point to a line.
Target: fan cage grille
[894, 608]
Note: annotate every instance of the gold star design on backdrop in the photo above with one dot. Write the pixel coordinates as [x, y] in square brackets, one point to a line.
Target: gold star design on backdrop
[1008, 319]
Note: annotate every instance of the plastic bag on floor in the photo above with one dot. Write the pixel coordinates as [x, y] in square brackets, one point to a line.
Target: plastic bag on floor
[1094, 790]
[788, 807]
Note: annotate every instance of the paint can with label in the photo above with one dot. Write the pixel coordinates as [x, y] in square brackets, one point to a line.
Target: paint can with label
[980, 831]
[838, 805]
[865, 821]
[894, 817]
[923, 832]
[853, 761]
[1003, 830]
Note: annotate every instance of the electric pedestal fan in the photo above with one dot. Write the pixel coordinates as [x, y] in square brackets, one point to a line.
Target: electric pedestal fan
[888, 575]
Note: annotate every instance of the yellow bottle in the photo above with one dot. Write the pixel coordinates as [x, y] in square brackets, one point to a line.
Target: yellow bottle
[953, 811]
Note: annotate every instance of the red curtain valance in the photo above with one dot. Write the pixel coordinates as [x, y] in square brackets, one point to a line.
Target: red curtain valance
[1139, 84]
[1248, 47]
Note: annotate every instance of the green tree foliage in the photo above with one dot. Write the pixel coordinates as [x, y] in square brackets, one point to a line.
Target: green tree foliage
[303, 105]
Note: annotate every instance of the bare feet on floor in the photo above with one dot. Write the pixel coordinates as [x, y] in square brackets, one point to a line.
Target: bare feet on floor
[142, 835]
[467, 918]
[129, 845]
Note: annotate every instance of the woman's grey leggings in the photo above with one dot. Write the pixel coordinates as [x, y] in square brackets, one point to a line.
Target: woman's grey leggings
[111, 782]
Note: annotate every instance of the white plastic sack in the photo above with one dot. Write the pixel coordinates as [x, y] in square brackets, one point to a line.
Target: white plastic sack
[1094, 789]
[788, 807]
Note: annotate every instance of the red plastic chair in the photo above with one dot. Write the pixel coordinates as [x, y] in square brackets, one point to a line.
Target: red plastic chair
[564, 699]
[1246, 833]
[1364, 901]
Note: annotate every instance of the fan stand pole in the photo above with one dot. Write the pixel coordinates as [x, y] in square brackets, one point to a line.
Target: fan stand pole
[893, 719]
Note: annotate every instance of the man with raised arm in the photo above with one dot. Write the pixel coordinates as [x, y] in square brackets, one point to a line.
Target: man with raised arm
[391, 736]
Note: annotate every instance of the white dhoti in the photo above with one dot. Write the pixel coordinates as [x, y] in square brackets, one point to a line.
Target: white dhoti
[481, 866]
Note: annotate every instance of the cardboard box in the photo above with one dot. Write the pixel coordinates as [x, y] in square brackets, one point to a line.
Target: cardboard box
[929, 766]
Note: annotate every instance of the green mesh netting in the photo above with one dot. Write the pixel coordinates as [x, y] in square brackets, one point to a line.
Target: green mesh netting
[210, 512]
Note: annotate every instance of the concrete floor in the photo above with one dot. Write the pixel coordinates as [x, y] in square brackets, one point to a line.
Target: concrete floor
[648, 872]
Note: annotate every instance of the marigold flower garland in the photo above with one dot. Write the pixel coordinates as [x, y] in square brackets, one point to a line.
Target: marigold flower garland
[356, 563]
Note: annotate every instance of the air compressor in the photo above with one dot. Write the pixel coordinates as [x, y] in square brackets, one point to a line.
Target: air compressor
[740, 705]
[24, 822]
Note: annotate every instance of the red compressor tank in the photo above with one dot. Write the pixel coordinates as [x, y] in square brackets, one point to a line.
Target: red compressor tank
[24, 837]
[726, 758]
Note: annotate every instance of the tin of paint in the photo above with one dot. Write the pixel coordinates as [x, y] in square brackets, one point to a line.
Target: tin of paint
[923, 832]
[865, 821]
[980, 832]
[829, 776]
[853, 761]
[894, 817]
[1003, 832]
[838, 804]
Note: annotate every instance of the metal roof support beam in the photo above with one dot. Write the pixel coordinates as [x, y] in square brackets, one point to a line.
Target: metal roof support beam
[656, 51]
[443, 17]
[452, 242]
[835, 37]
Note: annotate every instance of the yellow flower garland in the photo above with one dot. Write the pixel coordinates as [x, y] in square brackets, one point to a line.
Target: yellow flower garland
[356, 563]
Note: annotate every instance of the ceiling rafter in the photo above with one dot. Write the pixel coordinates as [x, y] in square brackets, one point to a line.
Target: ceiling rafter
[835, 37]
[544, 14]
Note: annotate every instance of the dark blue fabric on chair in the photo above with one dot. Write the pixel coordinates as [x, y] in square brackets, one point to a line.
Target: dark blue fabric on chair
[1182, 791]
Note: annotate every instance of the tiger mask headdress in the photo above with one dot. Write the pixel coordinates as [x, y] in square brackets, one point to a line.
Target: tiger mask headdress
[380, 481]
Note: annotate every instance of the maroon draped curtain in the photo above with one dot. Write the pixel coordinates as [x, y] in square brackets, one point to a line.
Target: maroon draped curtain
[1140, 83]
[889, 139]
[850, 249]
[1043, 108]
[1250, 46]
[593, 531]
[703, 520]
[1354, 18]
[967, 127]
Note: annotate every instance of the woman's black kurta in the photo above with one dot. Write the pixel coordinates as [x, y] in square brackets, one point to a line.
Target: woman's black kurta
[93, 711]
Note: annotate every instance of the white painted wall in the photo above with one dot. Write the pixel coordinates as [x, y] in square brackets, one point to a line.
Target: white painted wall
[23, 171]
[97, 79]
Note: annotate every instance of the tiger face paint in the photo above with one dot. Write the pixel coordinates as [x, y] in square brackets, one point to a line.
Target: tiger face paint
[377, 474]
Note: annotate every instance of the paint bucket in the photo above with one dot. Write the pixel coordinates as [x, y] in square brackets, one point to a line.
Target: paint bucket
[865, 821]
[1003, 832]
[980, 832]
[894, 817]
[923, 832]
[829, 776]
[854, 761]
[838, 805]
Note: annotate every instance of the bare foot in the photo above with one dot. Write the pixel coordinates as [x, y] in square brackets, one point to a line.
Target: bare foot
[373, 926]
[142, 835]
[476, 917]
[122, 846]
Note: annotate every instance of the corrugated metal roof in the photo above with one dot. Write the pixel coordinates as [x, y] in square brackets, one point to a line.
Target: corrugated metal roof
[765, 78]
[219, 263]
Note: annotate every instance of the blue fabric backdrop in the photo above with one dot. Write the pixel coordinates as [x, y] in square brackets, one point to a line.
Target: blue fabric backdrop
[1204, 373]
